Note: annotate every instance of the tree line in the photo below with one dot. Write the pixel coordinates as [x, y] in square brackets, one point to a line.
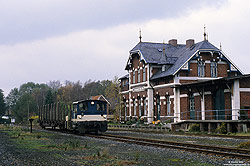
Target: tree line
[24, 101]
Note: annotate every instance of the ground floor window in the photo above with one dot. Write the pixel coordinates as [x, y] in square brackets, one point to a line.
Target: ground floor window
[158, 105]
[145, 106]
[134, 108]
[168, 105]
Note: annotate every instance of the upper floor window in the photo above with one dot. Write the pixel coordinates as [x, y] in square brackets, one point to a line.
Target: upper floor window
[139, 76]
[201, 69]
[133, 77]
[213, 69]
[144, 75]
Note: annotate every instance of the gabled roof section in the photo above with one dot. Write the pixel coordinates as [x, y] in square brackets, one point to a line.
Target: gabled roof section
[124, 77]
[99, 97]
[173, 56]
[184, 55]
[153, 52]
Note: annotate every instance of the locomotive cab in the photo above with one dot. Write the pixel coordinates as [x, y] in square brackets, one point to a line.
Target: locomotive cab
[89, 116]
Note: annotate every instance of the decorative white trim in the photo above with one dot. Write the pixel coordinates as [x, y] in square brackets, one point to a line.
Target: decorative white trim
[124, 92]
[139, 84]
[244, 89]
[165, 85]
[231, 62]
[222, 62]
[184, 95]
[185, 62]
[207, 93]
[162, 97]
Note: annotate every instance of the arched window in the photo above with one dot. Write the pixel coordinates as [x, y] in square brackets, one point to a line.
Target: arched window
[145, 106]
[201, 69]
[139, 76]
[144, 74]
[133, 77]
[134, 107]
[168, 105]
[158, 104]
[140, 108]
[213, 69]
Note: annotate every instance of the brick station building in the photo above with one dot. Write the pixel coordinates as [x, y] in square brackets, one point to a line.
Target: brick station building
[183, 83]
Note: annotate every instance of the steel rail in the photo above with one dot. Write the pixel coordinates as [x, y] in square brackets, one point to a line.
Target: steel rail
[225, 151]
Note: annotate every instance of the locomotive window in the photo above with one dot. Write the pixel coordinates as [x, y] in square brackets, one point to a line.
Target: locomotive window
[83, 106]
[103, 107]
[75, 108]
[100, 107]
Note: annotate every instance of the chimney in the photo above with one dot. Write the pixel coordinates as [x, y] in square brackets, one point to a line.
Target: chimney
[189, 43]
[173, 42]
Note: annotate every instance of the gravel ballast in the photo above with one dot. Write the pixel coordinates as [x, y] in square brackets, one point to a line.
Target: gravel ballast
[102, 152]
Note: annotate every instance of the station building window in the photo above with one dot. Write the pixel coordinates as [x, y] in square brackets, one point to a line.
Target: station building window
[134, 107]
[201, 69]
[158, 105]
[168, 105]
[139, 76]
[213, 69]
[145, 107]
[133, 77]
[140, 108]
[144, 75]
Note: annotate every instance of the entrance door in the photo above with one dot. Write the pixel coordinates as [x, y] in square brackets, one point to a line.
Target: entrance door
[219, 105]
[192, 107]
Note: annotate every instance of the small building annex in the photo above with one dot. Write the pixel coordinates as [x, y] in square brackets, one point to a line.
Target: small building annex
[181, 82]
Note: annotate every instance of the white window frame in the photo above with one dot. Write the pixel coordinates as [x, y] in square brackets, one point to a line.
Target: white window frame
[201, 68]
[139, 76]
[133, 77]
[213, 67]
[144, 75]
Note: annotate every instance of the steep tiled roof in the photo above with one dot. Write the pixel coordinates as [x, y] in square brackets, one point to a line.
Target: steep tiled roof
[175, 56]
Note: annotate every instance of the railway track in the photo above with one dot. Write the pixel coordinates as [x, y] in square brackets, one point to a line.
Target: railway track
[188, 134]
[224, 151]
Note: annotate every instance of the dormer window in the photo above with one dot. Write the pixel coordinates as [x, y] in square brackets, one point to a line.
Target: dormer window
[213, 69]
[201, 69]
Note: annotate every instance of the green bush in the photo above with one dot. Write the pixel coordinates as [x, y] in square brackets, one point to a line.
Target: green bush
[194, 128]
[128, 123]
[244, 145]
[222, 129]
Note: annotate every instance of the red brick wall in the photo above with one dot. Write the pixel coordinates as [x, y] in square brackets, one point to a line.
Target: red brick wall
[244, 99]
[227, 96]
[207, 70]
[245, 83]
[184, 108]
[222, 70]
[194, 70]
[208, 106]
[162, 91]
[135, 62]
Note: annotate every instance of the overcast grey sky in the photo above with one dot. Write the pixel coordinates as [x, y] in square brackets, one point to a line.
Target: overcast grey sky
[62, 40]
